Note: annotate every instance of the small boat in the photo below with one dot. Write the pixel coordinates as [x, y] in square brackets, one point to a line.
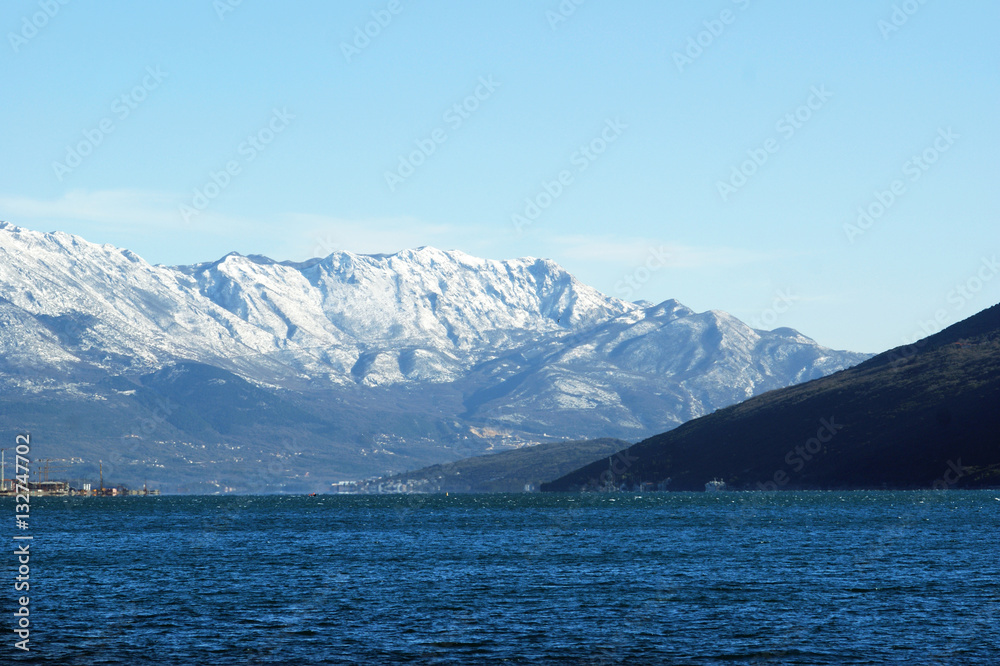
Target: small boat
[715, 485]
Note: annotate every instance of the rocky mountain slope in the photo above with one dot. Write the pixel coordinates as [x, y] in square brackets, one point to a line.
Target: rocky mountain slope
[457, 355]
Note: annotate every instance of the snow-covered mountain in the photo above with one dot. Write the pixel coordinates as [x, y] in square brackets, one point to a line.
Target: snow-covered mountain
[481, 345]
[418, 315]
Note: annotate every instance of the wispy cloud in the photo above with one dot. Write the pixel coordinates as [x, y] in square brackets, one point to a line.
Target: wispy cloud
[147, 217]
[148, 222]
[113, 208]
[610, 249]
[139, 216]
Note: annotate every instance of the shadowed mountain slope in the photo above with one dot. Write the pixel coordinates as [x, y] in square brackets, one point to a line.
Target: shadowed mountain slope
[926, 415]
[508, 471]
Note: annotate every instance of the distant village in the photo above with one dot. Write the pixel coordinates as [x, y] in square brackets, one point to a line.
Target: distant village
[421, 486]
[384, 486]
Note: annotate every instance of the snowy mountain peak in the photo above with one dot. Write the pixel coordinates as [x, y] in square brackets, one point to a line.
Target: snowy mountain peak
[521, 335]
[670, 309]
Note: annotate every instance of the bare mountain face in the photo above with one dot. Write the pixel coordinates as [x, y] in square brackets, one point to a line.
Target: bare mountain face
[457, 354]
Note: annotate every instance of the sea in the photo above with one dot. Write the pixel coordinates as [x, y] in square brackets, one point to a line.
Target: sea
[651, 578]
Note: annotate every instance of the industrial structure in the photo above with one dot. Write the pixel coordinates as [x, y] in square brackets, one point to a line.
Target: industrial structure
[40, 484]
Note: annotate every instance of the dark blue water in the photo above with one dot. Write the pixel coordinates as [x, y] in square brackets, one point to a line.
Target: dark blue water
[733, 578]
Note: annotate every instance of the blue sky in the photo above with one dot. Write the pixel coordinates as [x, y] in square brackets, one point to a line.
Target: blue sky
[713, 152]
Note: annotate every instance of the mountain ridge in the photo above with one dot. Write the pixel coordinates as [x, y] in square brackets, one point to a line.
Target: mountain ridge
[520, 344]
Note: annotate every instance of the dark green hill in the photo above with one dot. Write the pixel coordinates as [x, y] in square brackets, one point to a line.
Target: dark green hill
[922, 416]
[508, 471]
